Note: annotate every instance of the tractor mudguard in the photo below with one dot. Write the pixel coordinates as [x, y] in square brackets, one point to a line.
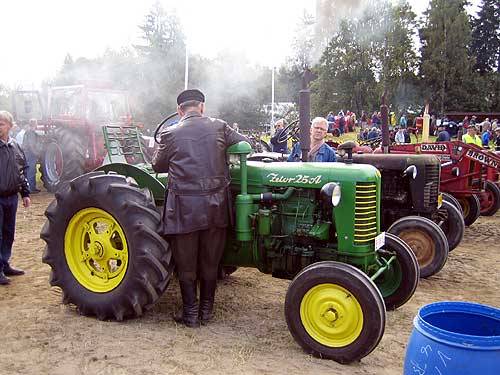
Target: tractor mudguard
[156, 183]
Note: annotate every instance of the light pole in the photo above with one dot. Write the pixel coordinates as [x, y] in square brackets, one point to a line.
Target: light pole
[272, 97]
[186, 69]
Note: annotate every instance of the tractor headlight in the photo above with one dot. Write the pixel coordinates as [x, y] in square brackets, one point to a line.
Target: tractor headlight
[331, 193]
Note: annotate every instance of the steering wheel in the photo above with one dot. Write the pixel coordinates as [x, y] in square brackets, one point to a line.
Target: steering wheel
[288, 132]
[373, 143]
[161, 124]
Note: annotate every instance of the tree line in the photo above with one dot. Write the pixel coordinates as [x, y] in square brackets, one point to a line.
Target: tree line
[455, 67]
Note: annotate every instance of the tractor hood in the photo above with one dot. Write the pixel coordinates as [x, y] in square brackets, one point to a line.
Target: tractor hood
[305, 175]
[398, 162]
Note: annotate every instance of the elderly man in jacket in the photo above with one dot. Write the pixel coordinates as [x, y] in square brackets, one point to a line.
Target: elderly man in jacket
[12, 182]
[319, 151]
[196, 211]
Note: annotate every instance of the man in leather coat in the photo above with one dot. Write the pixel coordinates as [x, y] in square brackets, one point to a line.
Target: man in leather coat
[196, 211]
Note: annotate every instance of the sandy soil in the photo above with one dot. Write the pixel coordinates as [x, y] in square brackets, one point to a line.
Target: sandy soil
[39, 335]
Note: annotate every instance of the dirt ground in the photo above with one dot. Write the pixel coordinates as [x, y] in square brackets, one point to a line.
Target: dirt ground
[39, 335]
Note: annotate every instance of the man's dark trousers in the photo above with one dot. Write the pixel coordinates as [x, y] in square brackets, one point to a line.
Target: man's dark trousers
[197, 256]
[8, 209]
[198, 253]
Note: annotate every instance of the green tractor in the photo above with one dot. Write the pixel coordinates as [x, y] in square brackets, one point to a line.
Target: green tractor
[315, 224]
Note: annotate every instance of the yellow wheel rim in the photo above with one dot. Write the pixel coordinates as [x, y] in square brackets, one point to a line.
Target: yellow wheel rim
[331, 315]
[96, 250]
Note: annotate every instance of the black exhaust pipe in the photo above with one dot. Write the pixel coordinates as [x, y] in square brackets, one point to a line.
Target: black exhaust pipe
[305, 114]
[384, 113]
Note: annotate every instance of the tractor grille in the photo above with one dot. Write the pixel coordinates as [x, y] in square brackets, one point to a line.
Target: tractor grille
[431, 188]
[365, 217]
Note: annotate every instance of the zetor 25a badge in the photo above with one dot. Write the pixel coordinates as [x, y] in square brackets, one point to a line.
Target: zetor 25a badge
[298, 179]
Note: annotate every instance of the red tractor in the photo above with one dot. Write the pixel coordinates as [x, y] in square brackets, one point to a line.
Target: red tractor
[468, 172]
[71, 127]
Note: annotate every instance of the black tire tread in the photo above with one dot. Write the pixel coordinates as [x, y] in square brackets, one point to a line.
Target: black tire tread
[150, 265]
[495, 190]
[374, 310]
[441, 242]
[73, 150]
[410, 271]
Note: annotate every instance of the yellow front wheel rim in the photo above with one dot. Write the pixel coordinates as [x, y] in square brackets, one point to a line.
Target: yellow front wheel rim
[331, 315]
[96, 250]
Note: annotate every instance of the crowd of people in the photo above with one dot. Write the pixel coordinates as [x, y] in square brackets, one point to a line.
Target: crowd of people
[485, 134]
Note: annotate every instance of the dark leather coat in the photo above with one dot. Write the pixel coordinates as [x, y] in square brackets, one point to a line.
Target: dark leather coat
[12, 169]
[193, 152]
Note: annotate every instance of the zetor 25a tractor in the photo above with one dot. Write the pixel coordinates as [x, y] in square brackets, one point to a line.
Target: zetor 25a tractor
[316, 224]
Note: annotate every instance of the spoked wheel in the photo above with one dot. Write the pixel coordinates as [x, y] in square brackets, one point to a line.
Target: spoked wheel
[471, 208]
[454, 201]
[103, 247]
[490, 199]
[399, 281]
[451, 221]
[426, 240]
[335, 311]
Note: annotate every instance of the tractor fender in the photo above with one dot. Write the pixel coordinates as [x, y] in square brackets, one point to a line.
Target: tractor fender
[155, 182]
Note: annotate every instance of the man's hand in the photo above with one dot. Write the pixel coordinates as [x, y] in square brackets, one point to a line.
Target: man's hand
[26, 202]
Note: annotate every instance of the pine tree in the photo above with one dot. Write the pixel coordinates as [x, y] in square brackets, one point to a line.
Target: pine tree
[485, 46]
[445, 67]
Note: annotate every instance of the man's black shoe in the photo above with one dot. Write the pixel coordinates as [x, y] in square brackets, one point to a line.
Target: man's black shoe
[35, 191]
[4, 280]
[9, 271]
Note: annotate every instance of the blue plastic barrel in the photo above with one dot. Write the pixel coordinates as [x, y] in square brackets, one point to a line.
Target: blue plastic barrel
[454, 338]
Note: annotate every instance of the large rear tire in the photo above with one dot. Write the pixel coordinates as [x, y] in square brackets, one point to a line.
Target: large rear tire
[399, 282]
[103, 246]
[490, 199]
[63, 159]
[334, 311]
[451, 221]
[471, 208]
[426, 240]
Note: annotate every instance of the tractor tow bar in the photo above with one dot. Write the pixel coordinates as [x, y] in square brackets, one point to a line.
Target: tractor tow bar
[384, 267]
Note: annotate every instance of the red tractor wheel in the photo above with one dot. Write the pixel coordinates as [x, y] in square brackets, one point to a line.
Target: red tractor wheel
[63, 159]
[490, 199]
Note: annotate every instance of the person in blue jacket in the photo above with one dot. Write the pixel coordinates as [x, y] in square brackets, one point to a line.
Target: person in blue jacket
[319, 151]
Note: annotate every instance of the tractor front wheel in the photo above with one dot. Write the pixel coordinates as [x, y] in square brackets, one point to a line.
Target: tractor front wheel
[104, 248]
[471, 208]
[451, 221]
[399, 281]
[427, 241]
[490, 199]
[335, 311]
[447, 197]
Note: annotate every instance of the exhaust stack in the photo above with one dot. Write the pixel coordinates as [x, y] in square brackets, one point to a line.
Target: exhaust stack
[384, 113]
[305, 113]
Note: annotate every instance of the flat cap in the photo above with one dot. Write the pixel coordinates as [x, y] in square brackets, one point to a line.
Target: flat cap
[188, 95]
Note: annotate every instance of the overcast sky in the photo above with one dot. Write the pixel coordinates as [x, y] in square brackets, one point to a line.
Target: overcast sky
[36, 35]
